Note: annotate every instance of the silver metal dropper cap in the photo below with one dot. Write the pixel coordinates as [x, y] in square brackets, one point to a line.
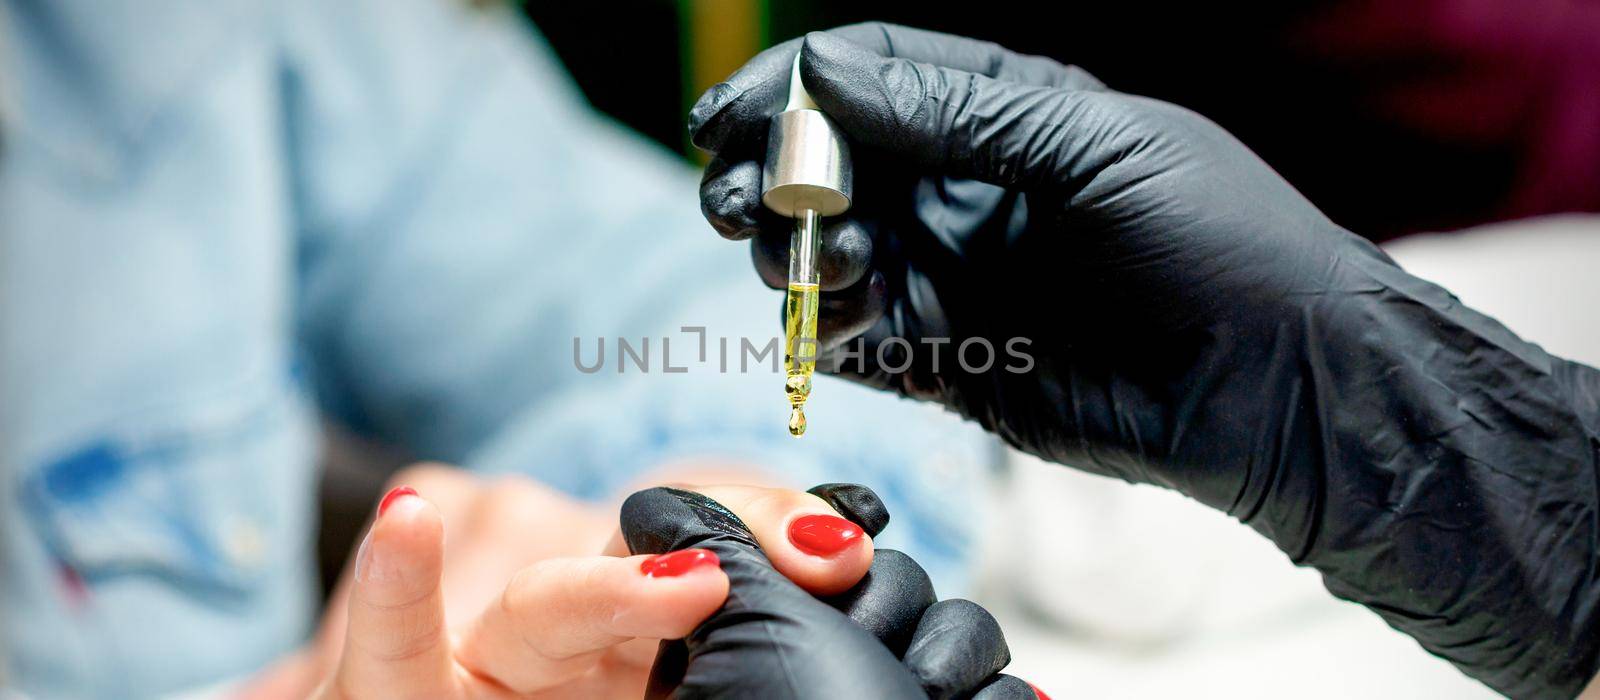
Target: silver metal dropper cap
[808, 161]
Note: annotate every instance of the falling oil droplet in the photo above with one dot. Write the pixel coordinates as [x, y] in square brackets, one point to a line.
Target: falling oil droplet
[797, 421]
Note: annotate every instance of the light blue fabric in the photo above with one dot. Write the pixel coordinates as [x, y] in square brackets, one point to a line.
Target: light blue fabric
[220, 219]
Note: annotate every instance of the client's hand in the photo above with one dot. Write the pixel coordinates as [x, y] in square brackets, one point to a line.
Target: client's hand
[427, 610]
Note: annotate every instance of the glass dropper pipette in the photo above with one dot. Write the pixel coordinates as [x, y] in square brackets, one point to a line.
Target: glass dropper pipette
[807, 176]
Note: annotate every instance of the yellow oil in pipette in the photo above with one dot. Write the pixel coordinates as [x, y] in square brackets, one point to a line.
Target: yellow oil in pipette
[800, 316]
[800, 350]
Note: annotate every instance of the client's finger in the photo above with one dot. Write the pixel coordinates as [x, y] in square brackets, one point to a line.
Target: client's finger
[805, 539]
[557, 617]
[395, 644]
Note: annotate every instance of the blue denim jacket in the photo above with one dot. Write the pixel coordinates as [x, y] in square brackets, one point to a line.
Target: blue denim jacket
[223, 220]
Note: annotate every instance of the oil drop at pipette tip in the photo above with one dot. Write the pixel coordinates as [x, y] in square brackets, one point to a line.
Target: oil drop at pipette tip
[798, 388]
[797, 421]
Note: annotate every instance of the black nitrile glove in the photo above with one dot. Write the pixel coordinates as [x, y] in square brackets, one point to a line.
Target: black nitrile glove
[884, 638]
[1191, 321]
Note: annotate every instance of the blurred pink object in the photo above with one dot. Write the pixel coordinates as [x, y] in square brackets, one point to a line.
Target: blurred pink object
[1517, 73]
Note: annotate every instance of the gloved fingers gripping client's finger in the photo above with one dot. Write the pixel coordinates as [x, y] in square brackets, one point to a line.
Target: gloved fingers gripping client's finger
[771, 639]
[890, 600]
[805, 539]
[957, 646]
[949, 648]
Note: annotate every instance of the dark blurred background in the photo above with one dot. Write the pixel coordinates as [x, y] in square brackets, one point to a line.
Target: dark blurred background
[1394, 116]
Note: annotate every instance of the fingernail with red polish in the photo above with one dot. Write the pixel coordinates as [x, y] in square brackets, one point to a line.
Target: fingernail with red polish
[823, 535]
[393, 495]
[678, 563]
[1038, 692]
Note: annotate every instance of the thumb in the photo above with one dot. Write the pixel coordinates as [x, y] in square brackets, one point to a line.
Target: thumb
[396, 644]
[949, 120]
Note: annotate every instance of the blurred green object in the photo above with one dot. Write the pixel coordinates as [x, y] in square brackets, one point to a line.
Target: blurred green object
[695, 43]
[716, 37]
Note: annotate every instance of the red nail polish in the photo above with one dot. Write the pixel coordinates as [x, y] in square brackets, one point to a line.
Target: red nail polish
[1038, 692]
[678, 563]
[823, 535]
[394, 495]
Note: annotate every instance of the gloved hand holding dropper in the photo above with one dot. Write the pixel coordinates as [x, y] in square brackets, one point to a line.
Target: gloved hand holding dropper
[1188, 319]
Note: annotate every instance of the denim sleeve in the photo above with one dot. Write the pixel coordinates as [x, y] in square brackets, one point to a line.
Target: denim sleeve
[472, 233]
[450, 193]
